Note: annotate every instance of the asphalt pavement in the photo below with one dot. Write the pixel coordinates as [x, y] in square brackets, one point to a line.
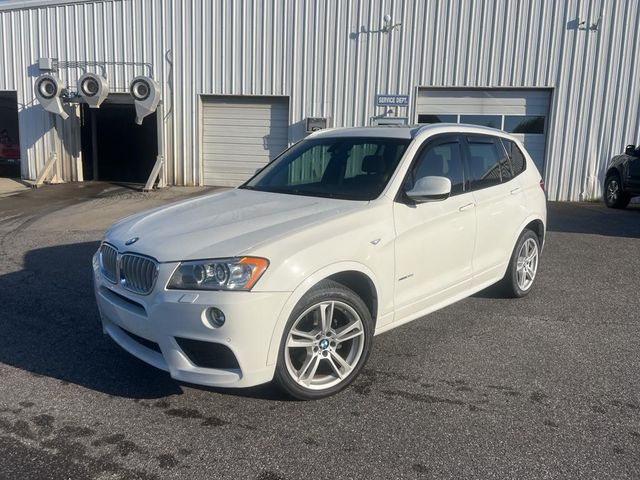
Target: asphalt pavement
[543, 387]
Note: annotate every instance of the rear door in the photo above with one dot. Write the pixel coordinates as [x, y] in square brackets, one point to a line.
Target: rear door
[435, 239]
[500, 205]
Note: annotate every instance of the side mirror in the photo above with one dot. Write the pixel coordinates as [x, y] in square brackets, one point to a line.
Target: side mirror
[430, 188]
[630, 150]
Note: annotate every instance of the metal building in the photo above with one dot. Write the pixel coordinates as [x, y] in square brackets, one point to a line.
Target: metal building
[242, 79]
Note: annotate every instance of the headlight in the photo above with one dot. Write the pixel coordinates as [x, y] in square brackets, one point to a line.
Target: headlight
[218, 274]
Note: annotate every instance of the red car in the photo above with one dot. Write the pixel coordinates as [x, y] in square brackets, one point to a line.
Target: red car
[9, 160]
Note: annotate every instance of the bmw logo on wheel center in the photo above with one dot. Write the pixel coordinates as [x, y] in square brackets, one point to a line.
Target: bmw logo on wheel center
[131, 241]
[324, 344]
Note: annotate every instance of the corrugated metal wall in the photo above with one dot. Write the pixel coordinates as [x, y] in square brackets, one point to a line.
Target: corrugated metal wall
[321, 55]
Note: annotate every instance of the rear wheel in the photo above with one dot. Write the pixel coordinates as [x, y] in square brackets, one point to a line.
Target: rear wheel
[614, 196]
[325, 343]
[523, 266]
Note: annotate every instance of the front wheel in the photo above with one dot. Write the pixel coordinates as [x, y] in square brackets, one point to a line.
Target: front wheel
[614, 197]
[325, 344]
[523, 266]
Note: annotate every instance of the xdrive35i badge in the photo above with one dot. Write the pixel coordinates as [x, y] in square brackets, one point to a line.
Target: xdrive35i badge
[131, 241]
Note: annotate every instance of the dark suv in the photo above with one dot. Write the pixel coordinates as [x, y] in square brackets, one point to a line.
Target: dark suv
[622, 181]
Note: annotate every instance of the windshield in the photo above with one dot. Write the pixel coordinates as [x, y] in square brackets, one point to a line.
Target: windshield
[352, 168]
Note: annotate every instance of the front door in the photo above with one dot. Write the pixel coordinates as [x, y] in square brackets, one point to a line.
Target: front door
[435, 239]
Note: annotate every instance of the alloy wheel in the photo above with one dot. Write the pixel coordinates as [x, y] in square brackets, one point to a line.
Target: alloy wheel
[613, 191]
[527, 264]
[324, 345]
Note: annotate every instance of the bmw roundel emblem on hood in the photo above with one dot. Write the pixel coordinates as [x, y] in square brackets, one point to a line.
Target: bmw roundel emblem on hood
[131, 241]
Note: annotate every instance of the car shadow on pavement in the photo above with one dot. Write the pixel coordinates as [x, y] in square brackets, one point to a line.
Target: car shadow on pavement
[268, 391]
[594, 218]
[49, 326]
[495, 292]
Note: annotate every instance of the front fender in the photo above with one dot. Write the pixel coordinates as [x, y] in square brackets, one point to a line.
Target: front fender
[301, 290]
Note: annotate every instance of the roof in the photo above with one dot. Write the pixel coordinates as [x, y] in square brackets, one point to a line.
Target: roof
[463, 127]
[404, 131]
[382, 131]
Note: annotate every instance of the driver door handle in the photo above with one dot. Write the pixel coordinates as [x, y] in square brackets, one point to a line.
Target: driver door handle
[467, 206]
[515, 191]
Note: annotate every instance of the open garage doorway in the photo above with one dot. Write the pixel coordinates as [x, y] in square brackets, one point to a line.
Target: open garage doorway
[114, 147]
[9, 136]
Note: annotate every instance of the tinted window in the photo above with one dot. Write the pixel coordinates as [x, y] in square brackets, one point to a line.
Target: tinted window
[486, 160]
[523, 124]
[357, 161]
[493, 121]
[308, 167]
[518, 163]
[440, 159]
[339, 167]
[437, 118]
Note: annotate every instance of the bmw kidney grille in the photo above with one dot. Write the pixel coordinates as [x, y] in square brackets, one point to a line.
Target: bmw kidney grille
[135, 273]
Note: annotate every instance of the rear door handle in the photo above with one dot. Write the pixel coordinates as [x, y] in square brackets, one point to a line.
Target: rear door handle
[467, 206]
[515, 191]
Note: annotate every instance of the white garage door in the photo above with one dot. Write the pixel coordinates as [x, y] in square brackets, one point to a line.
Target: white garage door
[522, 112]
[241, 134]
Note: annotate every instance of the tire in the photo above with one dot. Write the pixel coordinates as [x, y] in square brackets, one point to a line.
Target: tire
[312, 362]
[614, 196]
[518, 282]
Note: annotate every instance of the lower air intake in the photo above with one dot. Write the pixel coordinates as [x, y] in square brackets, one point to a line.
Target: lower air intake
[208, 354]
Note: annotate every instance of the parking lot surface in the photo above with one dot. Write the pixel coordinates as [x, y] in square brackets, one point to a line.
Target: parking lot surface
[546, 386]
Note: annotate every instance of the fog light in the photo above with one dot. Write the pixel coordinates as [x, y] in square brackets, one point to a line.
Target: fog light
[216, 317]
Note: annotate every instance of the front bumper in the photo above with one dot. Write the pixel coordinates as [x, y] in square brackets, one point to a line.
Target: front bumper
[165, 315]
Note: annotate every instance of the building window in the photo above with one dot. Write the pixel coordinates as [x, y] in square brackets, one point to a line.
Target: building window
[493, 121]
[437, 118]
[523, 124]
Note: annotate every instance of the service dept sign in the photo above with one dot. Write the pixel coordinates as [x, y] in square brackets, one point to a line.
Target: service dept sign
[392, 100]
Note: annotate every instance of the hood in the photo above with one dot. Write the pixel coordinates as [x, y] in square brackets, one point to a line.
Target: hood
[225, 224]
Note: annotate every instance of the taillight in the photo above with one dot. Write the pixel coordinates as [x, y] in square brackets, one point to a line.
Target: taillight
[542, 184]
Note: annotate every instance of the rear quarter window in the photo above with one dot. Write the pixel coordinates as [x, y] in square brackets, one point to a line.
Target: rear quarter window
[518, 162]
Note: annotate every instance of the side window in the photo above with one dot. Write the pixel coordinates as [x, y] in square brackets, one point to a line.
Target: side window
[441, 159]
[486, 162]
[518, 163]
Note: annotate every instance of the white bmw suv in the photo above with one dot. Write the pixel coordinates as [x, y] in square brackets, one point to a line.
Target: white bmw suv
[347, 234]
